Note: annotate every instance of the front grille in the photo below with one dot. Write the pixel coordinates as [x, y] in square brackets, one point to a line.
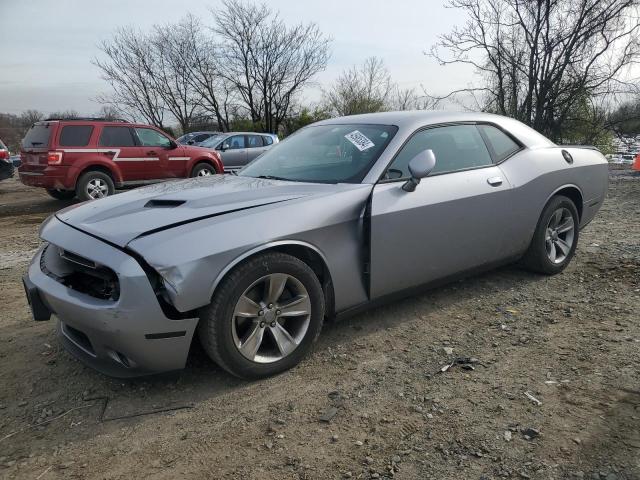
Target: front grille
[79, 273]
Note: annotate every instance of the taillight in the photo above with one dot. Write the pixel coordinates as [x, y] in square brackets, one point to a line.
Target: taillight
[54, 158]
[4, 154]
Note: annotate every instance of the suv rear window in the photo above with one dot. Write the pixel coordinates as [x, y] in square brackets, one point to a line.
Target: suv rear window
[75, 135]
[116, 137]
[37, 136]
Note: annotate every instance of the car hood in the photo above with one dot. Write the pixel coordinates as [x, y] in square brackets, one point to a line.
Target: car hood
[122, 218]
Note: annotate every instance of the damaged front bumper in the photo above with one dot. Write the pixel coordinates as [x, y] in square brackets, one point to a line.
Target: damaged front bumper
[125, 335]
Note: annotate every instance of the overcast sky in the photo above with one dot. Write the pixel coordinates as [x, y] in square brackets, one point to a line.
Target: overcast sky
[47, 45]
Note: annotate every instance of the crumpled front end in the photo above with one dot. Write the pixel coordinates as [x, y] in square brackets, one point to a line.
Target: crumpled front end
[109, 314]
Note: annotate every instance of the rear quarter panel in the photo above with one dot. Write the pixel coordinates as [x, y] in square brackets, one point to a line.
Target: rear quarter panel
[537, 174]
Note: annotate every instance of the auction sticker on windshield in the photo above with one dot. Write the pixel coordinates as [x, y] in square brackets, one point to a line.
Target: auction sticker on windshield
[359, 140]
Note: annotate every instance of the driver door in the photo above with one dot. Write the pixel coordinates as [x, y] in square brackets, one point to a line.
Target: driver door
[156, 147]
[454, 221]
[233, 152]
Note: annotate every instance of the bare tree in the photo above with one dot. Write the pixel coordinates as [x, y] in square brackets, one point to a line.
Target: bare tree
[64, 114]
[172, 72]
[29, 117]
[109, 112]
[364, 89]
[129, 70]
[266, 61]
[202, 55]
[539, 59]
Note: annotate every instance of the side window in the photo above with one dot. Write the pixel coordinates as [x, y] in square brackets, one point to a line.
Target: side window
[255, 141]
[151, 138]
[201, 138]
[75, 135]
[457, 147]
[501, 143]
[116, 137]
[267, 140]
[235, 142]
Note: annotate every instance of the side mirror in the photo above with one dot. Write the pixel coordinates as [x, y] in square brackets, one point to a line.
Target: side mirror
[173, 144]
[190, 142]
[419, 166]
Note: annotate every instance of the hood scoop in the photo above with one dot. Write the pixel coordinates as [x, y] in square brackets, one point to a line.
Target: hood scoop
[163, 203]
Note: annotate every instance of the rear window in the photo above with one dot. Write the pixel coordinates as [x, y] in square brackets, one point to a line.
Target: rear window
[37, 136]
[502, 145]
[267, 140]
[75, 135]
[255, 141]
[117, 137]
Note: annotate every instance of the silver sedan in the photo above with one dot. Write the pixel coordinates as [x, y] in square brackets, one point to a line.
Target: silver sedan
[344, 214]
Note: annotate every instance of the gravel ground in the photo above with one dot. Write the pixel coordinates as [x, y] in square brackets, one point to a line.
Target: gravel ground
[544, 384]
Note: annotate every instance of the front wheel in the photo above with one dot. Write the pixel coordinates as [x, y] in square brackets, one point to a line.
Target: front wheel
[203, 170]
[555, 239]
[264, 317]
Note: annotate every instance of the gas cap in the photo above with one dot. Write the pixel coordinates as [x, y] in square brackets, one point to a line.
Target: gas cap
[567, 156]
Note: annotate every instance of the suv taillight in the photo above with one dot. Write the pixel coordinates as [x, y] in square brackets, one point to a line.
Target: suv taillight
[54, 158]
[4, 154]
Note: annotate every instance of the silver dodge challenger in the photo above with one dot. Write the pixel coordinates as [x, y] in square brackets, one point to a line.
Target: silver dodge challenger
[344, 214]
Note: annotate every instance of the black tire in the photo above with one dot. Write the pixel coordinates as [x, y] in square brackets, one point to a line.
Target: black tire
[94, 176]
[202, 167]
[61, 194]
[216, 319]
[536, 258]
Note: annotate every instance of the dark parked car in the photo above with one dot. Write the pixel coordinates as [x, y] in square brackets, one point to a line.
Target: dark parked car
[89, 158]
[6, 165]
[239, 148]
[195, 138]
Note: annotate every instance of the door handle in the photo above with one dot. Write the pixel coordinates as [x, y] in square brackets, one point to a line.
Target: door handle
[494, 181]
[152, 152]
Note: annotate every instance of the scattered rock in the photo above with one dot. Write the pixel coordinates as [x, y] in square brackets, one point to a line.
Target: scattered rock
[448, 350]
[359, 443]
[328, 414]
[530, 433]
[507, 435]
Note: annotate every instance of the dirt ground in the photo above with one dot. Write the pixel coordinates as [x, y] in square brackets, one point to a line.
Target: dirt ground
[371, 401]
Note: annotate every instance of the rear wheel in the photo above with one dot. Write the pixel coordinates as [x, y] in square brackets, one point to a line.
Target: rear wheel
[264, 317]
[94, 185]
[203, 170]
[555, 239]
[61, 194]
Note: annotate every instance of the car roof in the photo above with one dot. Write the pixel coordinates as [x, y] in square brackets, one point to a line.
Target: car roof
[246, 133]
[414, 119]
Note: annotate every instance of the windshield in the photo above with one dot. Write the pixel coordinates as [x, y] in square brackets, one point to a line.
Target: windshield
[324, 153]
[212, 141]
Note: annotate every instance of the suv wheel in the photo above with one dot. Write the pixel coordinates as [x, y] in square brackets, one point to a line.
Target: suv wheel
[94, 185]
[264, 317]
[203, 170]
[61, 194]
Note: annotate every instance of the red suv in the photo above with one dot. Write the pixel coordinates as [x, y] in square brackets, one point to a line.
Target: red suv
[89, 158]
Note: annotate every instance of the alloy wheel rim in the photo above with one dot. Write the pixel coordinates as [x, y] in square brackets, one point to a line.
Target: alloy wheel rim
[97, 188]
[204, 173]
[271, 318]
[559, 235]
